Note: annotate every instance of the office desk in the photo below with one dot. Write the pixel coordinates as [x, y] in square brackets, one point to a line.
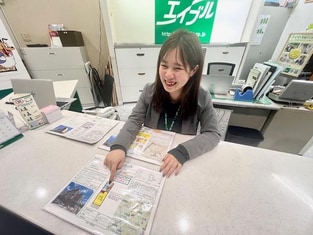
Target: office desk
[289, 129]
[247, 114]
[234, 189]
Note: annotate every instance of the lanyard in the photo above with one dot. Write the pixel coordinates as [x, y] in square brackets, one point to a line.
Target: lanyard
[174, 119]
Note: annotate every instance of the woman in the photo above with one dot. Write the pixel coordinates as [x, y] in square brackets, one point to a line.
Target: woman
[174, 102]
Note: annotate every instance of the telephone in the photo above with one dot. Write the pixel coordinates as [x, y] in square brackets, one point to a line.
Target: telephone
[107, 112]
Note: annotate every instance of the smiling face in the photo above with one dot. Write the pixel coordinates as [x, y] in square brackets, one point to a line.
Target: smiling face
[173, 74]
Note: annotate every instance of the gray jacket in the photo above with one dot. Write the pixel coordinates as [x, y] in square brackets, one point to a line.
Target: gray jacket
[144, 114]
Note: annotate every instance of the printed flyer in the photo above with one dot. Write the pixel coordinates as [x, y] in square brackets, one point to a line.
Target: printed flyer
[125, 206]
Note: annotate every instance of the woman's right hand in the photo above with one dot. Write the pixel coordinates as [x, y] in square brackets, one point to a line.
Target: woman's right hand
[114, 160]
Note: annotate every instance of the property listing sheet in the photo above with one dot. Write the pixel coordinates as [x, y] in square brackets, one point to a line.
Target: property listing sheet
[125, 206]
[150, 145]
[85, 128]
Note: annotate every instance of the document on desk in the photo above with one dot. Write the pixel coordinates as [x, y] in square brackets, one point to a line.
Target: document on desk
[85, 128]
[150, 145]
[126, 206]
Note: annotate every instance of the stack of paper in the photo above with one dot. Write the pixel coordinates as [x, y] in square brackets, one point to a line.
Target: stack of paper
[264, 75]
[268, 80]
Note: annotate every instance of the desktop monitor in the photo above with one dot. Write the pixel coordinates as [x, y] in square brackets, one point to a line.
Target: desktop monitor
[41, 89]
[217, 84]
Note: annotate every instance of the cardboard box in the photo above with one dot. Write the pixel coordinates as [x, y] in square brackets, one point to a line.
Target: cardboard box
[70, 38]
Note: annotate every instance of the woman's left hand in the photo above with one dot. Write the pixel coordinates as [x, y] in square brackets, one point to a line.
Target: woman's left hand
[170, 165]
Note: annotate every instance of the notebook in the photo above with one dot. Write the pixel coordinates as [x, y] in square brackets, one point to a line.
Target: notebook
[41, 89]
[217, 84]
[297, 91]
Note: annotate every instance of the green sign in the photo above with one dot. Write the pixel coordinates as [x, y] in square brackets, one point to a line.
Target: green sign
[196, 16]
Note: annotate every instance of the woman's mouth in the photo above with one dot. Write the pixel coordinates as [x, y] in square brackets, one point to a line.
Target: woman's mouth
[170, 84]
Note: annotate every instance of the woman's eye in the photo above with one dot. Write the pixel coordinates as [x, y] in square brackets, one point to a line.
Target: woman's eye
[164, 66]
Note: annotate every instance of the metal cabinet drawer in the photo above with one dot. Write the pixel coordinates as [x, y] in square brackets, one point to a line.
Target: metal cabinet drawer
[47, 58]
[134, 77]
[136, 57]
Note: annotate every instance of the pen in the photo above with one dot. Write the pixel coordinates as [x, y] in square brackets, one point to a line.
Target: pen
[111, 178]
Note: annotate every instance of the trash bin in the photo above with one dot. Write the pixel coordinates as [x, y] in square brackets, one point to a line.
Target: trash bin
[244, 135]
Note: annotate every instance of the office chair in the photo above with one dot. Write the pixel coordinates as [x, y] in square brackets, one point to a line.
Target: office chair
[221, 68]
[223, 116]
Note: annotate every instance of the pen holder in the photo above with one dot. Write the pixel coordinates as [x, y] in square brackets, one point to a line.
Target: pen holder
[244, 96]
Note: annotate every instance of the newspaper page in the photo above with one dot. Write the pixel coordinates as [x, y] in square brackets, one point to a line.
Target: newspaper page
[125, 206]
[150, 145]
[85, 128]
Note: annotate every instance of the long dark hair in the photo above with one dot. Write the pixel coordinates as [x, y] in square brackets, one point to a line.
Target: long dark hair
[190, 50]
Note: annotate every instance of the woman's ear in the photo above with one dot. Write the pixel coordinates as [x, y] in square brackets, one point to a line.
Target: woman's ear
[194, 70]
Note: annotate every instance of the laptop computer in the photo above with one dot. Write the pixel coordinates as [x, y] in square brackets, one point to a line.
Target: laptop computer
[217, 84]
[297, 91]
[41, 89]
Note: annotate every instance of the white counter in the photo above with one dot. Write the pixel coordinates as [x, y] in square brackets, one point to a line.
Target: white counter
[233, 189]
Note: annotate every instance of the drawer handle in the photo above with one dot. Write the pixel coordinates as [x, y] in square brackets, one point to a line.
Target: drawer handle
[141, 74]
[60, 74]
[52, 53]
[140, 90]
[140, 54]
[225, 52]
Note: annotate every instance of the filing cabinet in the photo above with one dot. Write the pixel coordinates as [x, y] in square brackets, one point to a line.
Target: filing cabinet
[137, 66]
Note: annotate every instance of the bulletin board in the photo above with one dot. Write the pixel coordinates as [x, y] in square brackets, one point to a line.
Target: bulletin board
[296, 53]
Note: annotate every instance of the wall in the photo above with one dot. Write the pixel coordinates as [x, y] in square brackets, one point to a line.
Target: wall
[263, 52]
[130, 26]
[300, 18]
[31, 18]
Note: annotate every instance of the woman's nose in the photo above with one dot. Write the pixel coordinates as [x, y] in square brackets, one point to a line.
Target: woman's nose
[169, 73]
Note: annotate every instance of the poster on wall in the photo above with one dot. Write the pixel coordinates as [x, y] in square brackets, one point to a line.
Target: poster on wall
[7, 60]
[260, 30]
[11, 65]
[215, 21]
[296, 53]
[196, 16]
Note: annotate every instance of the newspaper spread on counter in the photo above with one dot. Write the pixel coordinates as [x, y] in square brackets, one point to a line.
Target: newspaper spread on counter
[84, 128]
[125, 206]
[150, 145]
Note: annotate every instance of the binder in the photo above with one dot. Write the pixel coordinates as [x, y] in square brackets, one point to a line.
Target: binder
[274, 71]
[253, 78]
[264, 74]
